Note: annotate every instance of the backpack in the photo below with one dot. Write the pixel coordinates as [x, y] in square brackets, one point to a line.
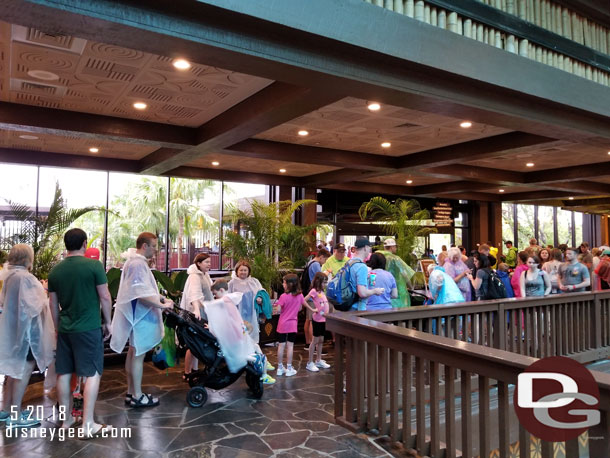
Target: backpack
[341, 291]
[305, 280]
[495, 287]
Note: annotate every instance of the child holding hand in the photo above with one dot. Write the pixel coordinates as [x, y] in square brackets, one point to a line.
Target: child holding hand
[290, 304]
[320, 309]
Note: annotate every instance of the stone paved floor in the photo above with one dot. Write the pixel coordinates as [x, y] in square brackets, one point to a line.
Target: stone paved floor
[294, 419]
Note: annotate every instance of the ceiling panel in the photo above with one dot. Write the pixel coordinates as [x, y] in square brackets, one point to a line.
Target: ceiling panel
[349, 125]
[69, 73]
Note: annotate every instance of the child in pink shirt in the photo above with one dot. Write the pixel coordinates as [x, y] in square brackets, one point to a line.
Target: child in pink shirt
[320, 309]
[290, 304]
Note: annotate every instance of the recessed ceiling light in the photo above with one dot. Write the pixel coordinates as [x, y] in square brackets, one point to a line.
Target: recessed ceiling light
[140, 106]
[409, 181]
[43, 75]
[181, 64]
[282, 170]
[608, 152]
[570, 198]
[501, 190]
[374, 106]
[29, 137]
[529, 164]
[466, 124]
[93, 149]
[303, 133]
[215, 163]
[386, 144]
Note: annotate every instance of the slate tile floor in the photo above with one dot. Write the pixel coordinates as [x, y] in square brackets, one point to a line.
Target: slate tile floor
[294, 419]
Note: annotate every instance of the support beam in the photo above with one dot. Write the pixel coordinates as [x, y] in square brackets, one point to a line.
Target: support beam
[39, 120]
[593, 202]
[271, 106]
[265, 149]
[452, 187]
[574, 173]
[536, 195]
[228, 175]
[339, 176]
[474, 173]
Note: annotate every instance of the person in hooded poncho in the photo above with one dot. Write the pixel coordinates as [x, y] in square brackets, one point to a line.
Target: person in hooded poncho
[249, 286]
[138, 317]
[443, 288]
[197, 289]
[26, 331]
[402, 274]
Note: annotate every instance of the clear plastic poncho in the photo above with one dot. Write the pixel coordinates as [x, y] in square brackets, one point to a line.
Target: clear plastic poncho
[198, 287]
[227, 326]
[443, 288]
[144, 325]
[25, 322]
[402, 273]
[247, 309]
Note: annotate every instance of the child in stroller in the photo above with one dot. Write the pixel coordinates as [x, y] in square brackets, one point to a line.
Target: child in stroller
[221, 345]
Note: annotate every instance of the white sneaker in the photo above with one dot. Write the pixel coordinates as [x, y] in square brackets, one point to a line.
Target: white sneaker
[280, 370]
[290, 371]
[312, 367]
[322, 364]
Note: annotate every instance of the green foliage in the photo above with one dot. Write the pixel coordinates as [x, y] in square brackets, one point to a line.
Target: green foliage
[402, 219]
[265, 236]
[45, 232]
[114, 279]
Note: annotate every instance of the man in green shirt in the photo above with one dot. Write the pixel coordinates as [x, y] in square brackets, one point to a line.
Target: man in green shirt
[511, 254]
[336, 261]
[77, 286]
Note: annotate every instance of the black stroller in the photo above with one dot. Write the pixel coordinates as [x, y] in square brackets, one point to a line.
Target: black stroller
[193, 336]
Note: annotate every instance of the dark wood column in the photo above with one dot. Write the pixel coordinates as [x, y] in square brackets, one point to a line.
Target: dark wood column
[310, 215]
[285, 192]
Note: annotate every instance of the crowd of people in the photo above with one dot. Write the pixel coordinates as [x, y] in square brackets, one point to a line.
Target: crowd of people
[63, 326]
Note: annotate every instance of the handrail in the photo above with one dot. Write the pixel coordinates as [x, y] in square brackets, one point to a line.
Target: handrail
[388, 369]
[537, 29]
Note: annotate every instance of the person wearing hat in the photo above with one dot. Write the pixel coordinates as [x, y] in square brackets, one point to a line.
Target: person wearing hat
[336, 261]
[401, 272]
[603, 270]
[389, 244]
[92, 253]
[359, 273]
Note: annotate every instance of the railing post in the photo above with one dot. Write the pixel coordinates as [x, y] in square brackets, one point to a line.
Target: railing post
[597, 322]
[499, 330]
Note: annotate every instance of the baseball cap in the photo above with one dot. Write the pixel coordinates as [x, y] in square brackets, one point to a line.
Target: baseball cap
[92, 253]
[606, 253]
[340, 246]
[389, 242]
[362, 242]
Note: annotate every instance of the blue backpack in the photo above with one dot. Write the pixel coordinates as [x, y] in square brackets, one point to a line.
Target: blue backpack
[341, 291]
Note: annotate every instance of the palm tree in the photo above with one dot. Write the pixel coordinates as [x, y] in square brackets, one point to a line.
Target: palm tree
[45, 232]
[402, 219]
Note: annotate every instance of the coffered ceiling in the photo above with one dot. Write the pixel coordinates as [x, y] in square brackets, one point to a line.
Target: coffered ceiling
[65, 90]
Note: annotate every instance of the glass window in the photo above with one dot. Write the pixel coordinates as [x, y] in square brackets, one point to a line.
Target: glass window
[194, 221]
[525, 225]
[545, 226]
[239, 195]
[459, 237]
[564, 227]
[508, 223]
[137, 204]
[578, 229]
[18, 185]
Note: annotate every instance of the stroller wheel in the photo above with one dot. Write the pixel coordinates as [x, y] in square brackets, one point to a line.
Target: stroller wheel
[255, 384]
[197, 396]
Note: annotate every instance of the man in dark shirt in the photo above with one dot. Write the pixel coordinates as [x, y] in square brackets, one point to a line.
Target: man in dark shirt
[77, 286]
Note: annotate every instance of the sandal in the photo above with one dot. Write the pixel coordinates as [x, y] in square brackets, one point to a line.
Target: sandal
[128, 398]
[150, 401]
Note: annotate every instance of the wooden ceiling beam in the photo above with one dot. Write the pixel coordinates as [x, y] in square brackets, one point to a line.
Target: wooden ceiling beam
[229, 175]
[39, 120]
[573, 173]
[289, 152]
[271, 106]
[474, 173]
[536, 195]
[452, 187]
[592, 202]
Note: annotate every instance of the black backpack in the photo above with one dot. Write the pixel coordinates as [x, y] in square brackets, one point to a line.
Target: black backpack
[495, 287]
[305, 280]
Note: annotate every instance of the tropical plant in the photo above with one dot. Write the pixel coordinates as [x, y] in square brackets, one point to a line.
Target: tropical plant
[264, 235]
[402, 219]
[45, 232]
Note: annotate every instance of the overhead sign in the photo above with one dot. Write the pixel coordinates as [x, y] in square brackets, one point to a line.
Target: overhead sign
[443, 214]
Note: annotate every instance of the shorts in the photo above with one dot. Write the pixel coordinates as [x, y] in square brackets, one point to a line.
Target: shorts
[30, 355]
[289, 336]
[319, 328]
[80, 352]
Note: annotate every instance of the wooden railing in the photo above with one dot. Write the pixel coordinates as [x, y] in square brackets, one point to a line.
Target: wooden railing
[450, 398]
[540, 30]
[574, 325]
